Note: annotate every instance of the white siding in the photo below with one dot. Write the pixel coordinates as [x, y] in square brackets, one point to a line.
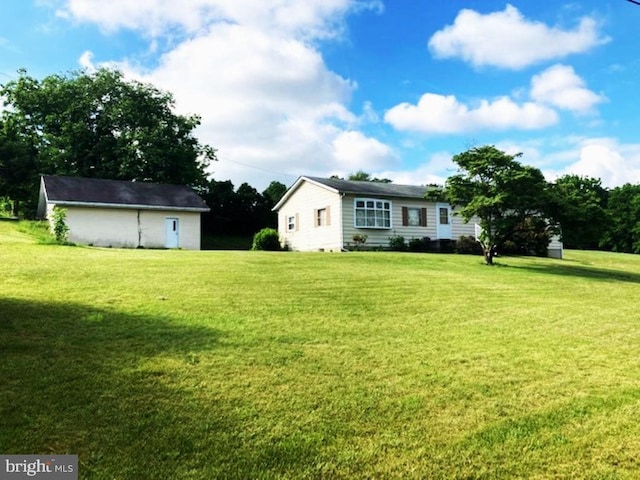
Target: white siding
[303, 205]
[127, 228]
[461, 229]
[380, 237]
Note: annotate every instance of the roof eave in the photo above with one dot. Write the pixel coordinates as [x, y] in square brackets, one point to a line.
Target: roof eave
[295, 186]
[124, 206]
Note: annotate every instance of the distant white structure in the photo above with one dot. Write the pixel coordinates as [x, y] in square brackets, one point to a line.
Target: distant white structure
[114, 213]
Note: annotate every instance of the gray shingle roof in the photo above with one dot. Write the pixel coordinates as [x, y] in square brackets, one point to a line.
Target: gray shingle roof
[372, 188]
[123, 194]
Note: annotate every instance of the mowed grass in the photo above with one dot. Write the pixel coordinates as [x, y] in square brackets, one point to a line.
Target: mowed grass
[202, 365]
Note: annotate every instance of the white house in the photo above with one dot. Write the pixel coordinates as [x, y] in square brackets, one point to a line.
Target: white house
[114, 213]
[324, 214]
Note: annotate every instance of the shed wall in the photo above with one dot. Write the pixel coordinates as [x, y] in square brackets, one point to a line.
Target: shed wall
[128, 228]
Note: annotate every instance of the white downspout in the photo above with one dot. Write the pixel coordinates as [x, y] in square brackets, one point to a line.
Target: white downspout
[341, 223]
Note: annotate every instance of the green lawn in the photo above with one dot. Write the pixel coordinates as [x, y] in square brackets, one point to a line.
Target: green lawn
[201, 365]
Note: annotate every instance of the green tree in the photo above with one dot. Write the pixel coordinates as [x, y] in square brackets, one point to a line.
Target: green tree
[18, 168]
[502, 193]
[242, 211]
[623, 229]
[101, 125]
[220, 197]
[249, 206]
[271, 196]
[578, 204]
[274, 192]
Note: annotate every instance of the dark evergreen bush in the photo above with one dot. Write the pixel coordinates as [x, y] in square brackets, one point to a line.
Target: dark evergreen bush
[419, 244]
[397, 243]
[468, 245]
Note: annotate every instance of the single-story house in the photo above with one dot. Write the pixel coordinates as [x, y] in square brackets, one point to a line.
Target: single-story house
[325, 214]
[115, 213]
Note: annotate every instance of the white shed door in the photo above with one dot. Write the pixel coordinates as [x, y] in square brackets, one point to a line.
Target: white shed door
[172, 233]
[443, 219]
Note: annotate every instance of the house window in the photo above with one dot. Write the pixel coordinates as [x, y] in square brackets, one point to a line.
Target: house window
[444, 215]
[322, 217]
[414, 217]
[291, 223]
[372, 213]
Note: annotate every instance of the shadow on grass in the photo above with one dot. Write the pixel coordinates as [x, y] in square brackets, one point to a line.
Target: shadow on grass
[517, 447]
[594, 273]
[122, 392]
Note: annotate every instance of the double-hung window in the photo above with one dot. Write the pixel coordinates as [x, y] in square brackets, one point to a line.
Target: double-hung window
[414, 217]
[372, 213]
[321, 217]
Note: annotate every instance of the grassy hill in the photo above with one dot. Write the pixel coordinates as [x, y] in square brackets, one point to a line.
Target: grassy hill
[199, 365]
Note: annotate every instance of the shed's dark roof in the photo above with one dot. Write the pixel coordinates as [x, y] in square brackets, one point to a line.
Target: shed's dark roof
[75, 190]
[372, 188]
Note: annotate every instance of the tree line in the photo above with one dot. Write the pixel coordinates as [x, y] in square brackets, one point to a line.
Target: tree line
[242, 211]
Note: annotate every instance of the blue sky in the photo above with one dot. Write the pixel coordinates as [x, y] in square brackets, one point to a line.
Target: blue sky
[395, 88]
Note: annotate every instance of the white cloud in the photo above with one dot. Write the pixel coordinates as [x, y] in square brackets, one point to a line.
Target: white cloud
[268, 101]
[445, 114]
[435, 170]
[86, 61]
[354, 151]
[369, 115]
[308, 18]
[561, 87]
[605, 158]
[508, 40]
[557, 87]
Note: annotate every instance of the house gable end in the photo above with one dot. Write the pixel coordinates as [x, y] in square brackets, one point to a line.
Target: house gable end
[296, 186]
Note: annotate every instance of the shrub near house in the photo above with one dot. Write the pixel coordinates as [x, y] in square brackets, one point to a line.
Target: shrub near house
[266, 239]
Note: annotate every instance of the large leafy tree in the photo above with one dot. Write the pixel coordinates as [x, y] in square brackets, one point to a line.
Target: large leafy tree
[623, 229]
[501, 192]
[578, 204]
[102, 125]
[18, 167]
